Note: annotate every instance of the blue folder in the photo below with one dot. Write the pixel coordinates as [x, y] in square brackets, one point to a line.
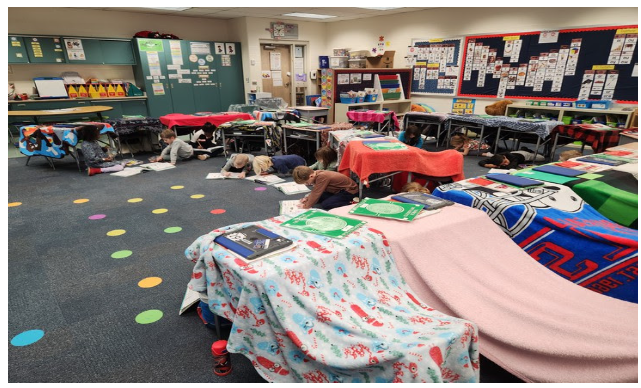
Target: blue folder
[558, 170]
[514, 180]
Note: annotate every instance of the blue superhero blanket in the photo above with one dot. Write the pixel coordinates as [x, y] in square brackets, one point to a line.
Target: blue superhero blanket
[331, 310]
[559, 230]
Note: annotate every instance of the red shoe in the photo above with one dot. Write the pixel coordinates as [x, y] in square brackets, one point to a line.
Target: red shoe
[93, 171]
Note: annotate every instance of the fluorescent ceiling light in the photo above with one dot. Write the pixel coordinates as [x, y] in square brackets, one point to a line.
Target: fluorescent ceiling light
[170, 8]
[309, 15]
[380, 8]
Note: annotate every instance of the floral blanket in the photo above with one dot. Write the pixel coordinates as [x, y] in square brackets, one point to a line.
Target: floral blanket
[331, 310]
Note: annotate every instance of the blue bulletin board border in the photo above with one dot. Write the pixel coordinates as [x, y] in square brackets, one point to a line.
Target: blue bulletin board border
[431, 85]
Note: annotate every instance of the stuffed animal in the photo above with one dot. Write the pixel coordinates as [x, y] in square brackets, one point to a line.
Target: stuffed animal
[498, 108]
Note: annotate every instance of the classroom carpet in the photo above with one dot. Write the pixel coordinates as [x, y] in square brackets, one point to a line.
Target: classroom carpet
[97, 273]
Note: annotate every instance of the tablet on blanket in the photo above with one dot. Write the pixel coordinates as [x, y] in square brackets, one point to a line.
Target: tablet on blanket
[558, 170]
[514, 180]
[253, 242]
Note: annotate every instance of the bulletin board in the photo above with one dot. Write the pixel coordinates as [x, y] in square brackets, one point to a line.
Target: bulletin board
[598, 63]
[436, 64]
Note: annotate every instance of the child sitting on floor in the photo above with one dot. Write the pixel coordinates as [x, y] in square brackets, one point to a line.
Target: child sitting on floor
[331, 189]
[241, 163]
[97, 160]
[202, 140]
[175, 148]
[326, 159]
[569, 154]
[460, 142]
[412, 136]
[411, 187]
[281, 164]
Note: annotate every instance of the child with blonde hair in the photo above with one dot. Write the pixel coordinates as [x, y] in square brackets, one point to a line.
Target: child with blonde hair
[411, 187]
[241, 163]
[569, 154]
[282, 164]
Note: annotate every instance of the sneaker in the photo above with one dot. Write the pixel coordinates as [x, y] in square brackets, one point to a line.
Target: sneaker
[92, 171]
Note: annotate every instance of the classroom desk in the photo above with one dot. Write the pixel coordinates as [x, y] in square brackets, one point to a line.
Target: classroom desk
[54, 142]
[330, 310]
[427, 118]
[597, 136]
[309, 113]
[387, 118]
[81, 110]
[318, 133]
[364, 161]
[178, 119]
[536, 325]
[611, 192]
[560, 231]
[268, 131]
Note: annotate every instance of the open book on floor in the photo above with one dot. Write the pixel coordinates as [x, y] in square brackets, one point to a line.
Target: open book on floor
[128, 171]
[265, 179]
[157, 166]
[207, 150]
[219, 175]
[289, 207]
[191, 298]
[254, 242]
[290, 188]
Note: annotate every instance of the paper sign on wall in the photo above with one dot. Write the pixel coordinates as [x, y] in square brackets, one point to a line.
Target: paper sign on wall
[274, 61]
[219, 48]
[158, 89]
[230, 48]
[200, 48]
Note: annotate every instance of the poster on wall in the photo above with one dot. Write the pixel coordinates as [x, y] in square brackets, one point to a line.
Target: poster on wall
[74, 49]
[436, 64]
[230, 48]
[463, 106]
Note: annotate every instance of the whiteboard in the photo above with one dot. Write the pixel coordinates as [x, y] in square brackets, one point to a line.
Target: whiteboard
[51, 88]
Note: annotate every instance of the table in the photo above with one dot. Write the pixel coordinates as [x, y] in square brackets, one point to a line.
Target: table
[612, 193]
[597, 136]
[319, 133]
[364, 161]
[55, 141]
[374, 116]
[331, 310]
[126, 127]
[268, 131]
[533, 323]
[81, 110]
[178, 119]
[560, 231]
[422, 118]
[311, 112]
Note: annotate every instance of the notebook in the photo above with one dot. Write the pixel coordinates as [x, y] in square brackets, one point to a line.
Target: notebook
[607, 162]
[429, 202]
[253, 242]
[557, 170]
[514, 180]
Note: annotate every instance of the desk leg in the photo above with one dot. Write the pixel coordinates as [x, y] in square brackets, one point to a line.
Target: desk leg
[496, 143]
[478, 149]
[284, 151]
[224, 143]
[100, 116]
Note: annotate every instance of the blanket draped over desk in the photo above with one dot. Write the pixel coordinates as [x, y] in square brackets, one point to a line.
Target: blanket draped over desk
[533, 323]
[562, 232]
[364, 161]
[331, 310]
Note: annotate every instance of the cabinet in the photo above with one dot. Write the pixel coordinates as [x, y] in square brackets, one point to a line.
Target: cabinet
[186, 76]
[17, 50]
[41, 49]
[612, 117]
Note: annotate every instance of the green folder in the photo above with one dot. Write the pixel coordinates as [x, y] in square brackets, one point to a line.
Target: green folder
[544, 176]
[386, 209]
[385, 146]
[323, 223]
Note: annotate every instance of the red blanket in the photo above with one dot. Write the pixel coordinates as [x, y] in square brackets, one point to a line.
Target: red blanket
[365, 161]
[173, 119]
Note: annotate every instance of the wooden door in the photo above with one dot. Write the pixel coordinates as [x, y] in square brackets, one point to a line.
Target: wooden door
[274, 57]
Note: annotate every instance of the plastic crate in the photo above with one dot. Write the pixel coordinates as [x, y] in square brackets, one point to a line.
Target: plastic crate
[371, 97]
[345, 99]
[603, 104]
[392, 96]
[583, 104]
[567, 120]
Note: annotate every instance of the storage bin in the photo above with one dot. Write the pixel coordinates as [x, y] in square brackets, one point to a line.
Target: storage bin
[360, 99]
[340, 52]
[371, 97]
[356, 63]
[566, 104]
[583, 104]
[611, 124]
[338, 62]
[346, 99]
[603, 104]
[358, 54]
[551, 103]
[558, 104]
[392, 96]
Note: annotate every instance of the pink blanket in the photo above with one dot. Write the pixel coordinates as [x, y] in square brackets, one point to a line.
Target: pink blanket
[533, 323]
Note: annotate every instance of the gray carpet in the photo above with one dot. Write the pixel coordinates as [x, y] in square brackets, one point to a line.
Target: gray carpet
[63, 280]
